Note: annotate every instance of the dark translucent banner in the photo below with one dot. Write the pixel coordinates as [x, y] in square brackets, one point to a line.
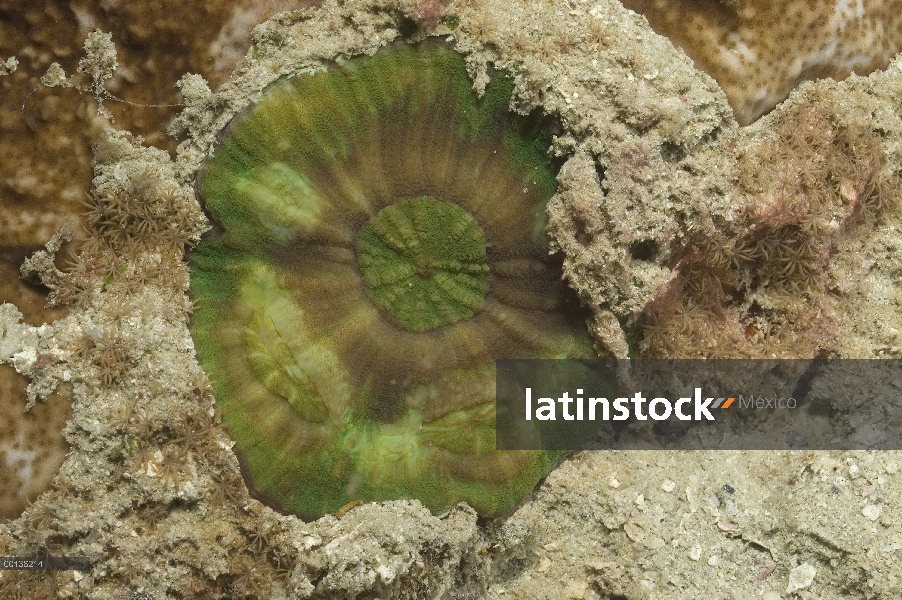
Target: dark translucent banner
[699, 404]
[44, 563]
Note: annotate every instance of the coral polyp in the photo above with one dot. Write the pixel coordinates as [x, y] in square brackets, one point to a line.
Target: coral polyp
[423, 263]
[382, 244]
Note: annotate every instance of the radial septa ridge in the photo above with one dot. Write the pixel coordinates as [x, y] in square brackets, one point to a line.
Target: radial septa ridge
[286, 203]
[424, 281]
[291, 363]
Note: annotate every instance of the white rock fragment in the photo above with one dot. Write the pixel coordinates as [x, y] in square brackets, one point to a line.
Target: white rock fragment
[386, 573]
[55, 77]
[195, 89]
[868, 436]
[800, 578]
[544, 564]
[24, 360]
[100, 58]
[871, 511]
[9, 66]
[576, 590]
[309, 542]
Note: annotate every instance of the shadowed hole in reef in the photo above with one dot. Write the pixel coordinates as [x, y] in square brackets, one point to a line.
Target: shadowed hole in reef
[383, 243]
[645, 250]
[599, 170]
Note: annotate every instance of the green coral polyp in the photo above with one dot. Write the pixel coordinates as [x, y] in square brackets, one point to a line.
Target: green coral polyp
[383, 244]
[423, 263]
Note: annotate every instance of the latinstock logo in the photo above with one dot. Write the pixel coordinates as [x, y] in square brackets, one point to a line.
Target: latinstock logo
[579, 408]
[638, 404]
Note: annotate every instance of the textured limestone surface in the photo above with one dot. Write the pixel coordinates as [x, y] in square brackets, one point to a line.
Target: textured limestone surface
[151, 491]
